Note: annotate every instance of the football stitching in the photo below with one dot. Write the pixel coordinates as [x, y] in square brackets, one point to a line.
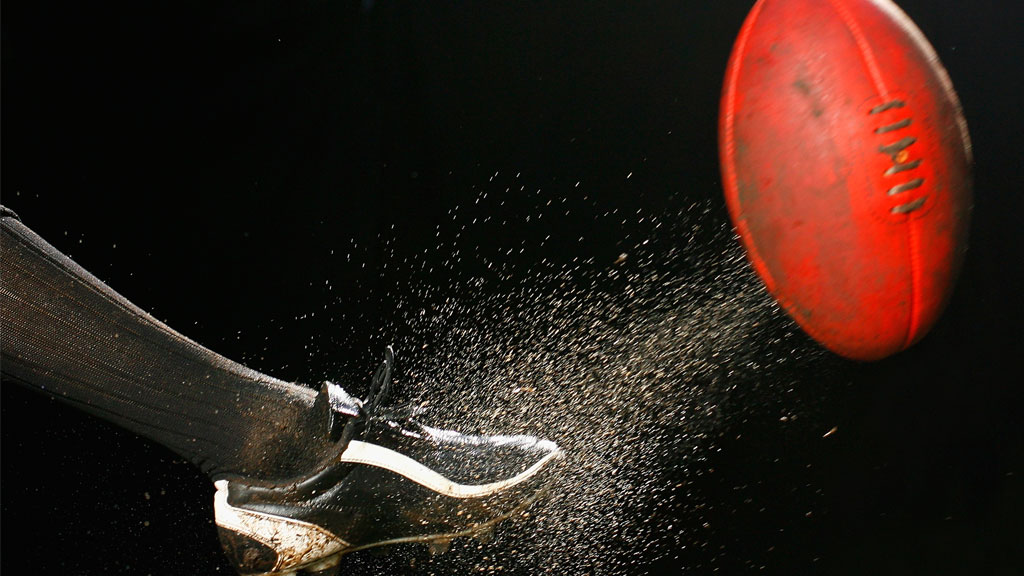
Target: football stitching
[897, 150]
[899, 153]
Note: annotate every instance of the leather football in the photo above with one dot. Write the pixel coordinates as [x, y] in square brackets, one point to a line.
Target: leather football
[846, 166]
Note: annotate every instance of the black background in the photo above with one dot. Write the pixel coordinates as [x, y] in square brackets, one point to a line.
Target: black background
[234, 167]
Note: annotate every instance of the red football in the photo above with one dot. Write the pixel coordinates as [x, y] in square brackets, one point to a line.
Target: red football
[846, 167]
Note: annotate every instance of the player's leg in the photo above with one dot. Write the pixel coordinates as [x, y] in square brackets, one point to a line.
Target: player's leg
[302, 477]
[69, 335]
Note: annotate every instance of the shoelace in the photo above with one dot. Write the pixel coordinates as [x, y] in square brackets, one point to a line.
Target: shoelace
[358, 415]
[348, 418]
[380, 386]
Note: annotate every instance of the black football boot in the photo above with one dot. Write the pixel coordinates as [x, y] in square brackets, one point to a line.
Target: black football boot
[392, 480]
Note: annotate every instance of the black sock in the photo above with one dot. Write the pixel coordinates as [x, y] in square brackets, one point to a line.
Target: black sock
[67, 334]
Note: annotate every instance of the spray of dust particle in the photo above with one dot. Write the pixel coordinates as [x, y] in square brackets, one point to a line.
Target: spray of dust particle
[624, 362]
